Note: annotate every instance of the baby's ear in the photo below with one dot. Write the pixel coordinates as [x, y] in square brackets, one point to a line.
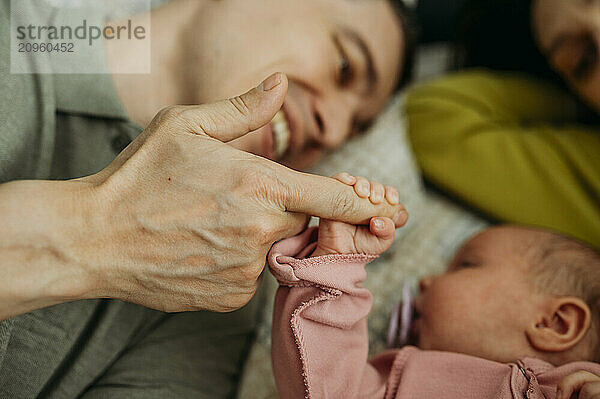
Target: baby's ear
[561, 325]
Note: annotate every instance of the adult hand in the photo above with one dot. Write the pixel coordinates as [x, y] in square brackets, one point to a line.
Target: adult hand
[181, 221]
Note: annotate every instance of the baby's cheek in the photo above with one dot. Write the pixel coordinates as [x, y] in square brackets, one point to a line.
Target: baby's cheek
[448, 319]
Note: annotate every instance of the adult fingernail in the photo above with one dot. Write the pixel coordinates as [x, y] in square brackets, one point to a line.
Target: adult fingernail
[558, 394]
[379, 224]
[272, 82]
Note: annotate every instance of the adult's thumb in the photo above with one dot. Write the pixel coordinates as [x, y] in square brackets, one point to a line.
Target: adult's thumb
[229, 119]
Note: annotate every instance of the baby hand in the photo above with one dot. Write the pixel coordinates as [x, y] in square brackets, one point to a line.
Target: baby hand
[343, 238]
[582, 382]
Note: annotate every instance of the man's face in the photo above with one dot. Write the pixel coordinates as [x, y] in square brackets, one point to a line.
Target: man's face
[342, 59]
[485, 300]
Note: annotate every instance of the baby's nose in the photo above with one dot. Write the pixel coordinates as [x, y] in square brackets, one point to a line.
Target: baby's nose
[425, 282]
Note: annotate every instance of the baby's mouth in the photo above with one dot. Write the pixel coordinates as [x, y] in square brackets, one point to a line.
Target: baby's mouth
[281, 134]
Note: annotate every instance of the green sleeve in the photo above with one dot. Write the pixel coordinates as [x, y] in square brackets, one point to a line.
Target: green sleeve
[507, 145]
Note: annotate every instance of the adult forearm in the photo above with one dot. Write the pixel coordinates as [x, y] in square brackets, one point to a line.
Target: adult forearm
[40, 222]
[178, 221]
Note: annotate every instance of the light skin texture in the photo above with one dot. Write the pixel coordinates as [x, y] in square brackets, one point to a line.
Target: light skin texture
[162, 225]
[486, 304]
[568, 33]
[344, 238]
[225, 47]
[579, 385]
[179, 221]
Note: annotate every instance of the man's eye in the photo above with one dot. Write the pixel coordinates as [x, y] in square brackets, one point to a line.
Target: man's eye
[587, 62]
[465, 264]
[345, 71]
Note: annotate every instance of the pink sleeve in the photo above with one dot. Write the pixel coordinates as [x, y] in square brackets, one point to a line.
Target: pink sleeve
[319, 338]
[320, 342]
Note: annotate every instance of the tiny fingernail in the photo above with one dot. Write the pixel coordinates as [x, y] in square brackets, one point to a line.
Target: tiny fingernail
[346, 178]
[394, 198]
[363, 188]
[379, 224]
[403, 217]
[376, 198]
[271, 82]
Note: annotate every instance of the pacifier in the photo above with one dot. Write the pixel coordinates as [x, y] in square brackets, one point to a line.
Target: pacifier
[401, 317]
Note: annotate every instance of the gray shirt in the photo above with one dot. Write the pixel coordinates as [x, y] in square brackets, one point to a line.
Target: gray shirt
[67, 126]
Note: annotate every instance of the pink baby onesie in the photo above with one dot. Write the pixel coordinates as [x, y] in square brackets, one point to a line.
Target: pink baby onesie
[320, 342]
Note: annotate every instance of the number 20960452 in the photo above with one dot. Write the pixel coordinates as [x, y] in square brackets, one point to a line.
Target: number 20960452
[46, 47]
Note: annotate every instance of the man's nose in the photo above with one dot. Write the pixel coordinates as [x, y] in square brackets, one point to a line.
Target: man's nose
[333, 125]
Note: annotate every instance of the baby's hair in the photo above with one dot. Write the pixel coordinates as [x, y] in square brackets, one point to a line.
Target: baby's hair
[567, 266]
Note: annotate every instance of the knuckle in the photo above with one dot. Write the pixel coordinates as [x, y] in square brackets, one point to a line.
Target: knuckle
[337, 244]
[250, 273]
[262, 228]
[252, 176]
[240, 105]
[342, 204]
[201, 123]
[258, 171]
[240, 300]
[223, 307]
[265, 181]
[170, 114]
[286, 192]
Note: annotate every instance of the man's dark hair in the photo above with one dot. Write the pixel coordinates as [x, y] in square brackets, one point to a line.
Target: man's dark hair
[409, 30]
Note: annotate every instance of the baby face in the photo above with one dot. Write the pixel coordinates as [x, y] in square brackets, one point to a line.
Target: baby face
[484, 302]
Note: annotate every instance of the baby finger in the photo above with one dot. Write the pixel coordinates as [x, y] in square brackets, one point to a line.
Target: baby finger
[344, 177]
[362, 187]
[391, 195]
[574, 383]
[591, 390]
[377, 192]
